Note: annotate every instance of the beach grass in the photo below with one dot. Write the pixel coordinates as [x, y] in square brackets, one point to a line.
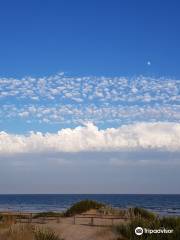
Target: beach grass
[83, 206]
[46, 234]
[146, 219]
[28, 232]
[143, 213]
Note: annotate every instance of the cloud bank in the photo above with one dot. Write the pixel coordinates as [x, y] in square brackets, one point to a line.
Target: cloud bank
[88, 138]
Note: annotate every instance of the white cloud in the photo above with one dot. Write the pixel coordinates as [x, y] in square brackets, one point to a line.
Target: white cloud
[62, 99]
[59, 87]
[77, 113]
[88, 138]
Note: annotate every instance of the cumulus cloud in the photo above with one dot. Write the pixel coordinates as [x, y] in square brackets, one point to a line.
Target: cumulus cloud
[135, 137]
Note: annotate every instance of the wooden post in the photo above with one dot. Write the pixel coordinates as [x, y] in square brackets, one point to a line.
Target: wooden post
[58, 219]
[74, 219]
[112, 221]
[92, 222]
[42, 220]
[30, 218]
[20, 217]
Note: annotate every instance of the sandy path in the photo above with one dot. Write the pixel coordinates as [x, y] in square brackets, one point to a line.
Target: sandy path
[69, 231]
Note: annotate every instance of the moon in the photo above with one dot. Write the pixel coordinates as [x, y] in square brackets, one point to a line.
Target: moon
[148, 63]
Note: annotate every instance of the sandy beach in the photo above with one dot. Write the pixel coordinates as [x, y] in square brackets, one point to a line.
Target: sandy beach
[70, 231]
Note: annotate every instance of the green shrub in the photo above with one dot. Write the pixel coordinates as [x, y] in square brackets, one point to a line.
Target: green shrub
[83, 206]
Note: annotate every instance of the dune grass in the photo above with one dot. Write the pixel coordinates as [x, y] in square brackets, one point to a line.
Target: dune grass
[83, 206]
[28, 232]
[46, 234]
[76, 208]
[148, 220]
[143, 213]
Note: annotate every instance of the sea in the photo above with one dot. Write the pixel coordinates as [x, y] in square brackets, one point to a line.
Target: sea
[161, 204]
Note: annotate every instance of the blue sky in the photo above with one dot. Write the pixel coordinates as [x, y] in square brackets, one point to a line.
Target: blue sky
[89, 87]
[89, 37]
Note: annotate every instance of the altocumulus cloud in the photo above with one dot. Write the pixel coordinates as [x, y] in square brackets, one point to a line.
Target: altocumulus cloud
[160, 136]
[62, 100]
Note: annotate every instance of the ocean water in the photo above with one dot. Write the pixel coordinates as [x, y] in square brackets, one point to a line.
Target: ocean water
[161, 204]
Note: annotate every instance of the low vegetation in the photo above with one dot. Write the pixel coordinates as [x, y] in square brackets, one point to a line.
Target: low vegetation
[148, 220]
[46, 235]
[6, 221]
[28, 232]
[143, 213]
[83, 206]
